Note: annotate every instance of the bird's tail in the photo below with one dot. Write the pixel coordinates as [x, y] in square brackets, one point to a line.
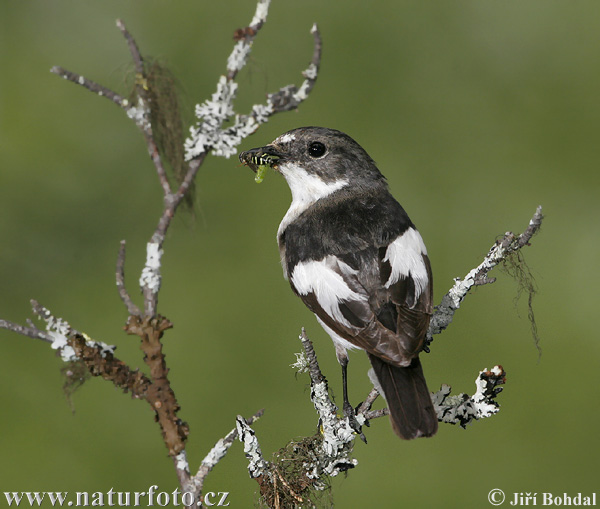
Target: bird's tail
[408, 398]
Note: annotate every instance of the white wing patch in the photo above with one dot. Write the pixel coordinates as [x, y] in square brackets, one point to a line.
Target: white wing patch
[329, 287]
[405, 256]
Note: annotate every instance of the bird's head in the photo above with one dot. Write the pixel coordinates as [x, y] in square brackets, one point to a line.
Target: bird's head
[316, 161]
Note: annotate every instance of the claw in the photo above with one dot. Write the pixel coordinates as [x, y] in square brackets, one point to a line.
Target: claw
[350, 414]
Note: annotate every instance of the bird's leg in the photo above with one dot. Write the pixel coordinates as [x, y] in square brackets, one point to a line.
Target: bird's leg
[348, 409]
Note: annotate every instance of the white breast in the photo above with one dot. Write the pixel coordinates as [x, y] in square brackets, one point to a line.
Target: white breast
[306, 189]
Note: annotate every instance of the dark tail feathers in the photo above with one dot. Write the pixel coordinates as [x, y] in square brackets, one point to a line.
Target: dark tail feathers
[411, 410]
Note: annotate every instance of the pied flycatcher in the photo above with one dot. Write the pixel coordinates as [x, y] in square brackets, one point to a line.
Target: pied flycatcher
[353, 256]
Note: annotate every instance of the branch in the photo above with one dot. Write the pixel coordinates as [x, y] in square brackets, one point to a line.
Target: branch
[90, 85]
[160, 394]
[120, 277]
[462, 409]
[31, 332]
[138, 61]
[216, 454]
[245, 37]
[329, 452]
[209, 135]
[500, 251]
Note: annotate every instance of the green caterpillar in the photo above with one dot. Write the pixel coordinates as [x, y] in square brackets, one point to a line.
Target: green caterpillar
[261, 171]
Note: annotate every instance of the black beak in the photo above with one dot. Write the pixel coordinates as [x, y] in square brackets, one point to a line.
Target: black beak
[261, 156]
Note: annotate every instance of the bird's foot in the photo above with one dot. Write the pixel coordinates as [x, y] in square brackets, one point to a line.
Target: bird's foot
[350, 414]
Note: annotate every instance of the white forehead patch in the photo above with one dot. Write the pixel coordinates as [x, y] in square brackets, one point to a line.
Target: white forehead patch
[405, 255]
[285, 138]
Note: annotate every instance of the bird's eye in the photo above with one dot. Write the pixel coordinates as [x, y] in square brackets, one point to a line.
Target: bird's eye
[316, 149]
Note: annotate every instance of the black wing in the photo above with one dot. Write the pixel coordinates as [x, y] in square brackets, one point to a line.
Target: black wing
[383, 303]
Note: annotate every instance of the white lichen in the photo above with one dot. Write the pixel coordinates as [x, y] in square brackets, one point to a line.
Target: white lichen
[139, 114]
[260, 15]
[182, 462]
[211, 115]
[481, 403]
[285, 138]
[60, 330]
[301, 364]
[216, 454]
[208, 134]
[246, 435]
[497, 370]
[67, 354]
[310, 72]
[302, 92]
[239, 55]
[150, 277]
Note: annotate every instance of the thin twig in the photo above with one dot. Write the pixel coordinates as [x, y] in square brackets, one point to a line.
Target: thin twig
[217, 453]
[374, 414]
[92, 86]
[141, 86]
[444, 312]
[534, 225]
[237, 59]
[120, 276]
[138, 61]
[30, 332]
[290, 97]
[182, 470]
[366, 405]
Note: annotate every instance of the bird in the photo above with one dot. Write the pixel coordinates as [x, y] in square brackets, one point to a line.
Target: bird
[357, 261]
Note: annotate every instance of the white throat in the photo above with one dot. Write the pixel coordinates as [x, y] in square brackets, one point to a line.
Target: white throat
[306, 189]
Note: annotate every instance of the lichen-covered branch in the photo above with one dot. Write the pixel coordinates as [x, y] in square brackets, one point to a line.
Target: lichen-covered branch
[329, 452]
[153, 107]
[500, 251]
[209, 134]
[216, 454]
[338, 435]
[300, 471]
[463, 409]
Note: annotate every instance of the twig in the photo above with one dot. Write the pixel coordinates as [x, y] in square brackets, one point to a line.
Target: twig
[365, 406]
[31, 332]
[138, 61]
[120, 276]
[238, 57]
[290, 97]
[443, 314]
[209, 135]
[257, 465]
[90, 85]
[338, 435]
[217, 453]
[462, 409]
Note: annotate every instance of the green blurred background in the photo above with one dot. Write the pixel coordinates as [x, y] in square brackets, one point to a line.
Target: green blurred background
[476, 111]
